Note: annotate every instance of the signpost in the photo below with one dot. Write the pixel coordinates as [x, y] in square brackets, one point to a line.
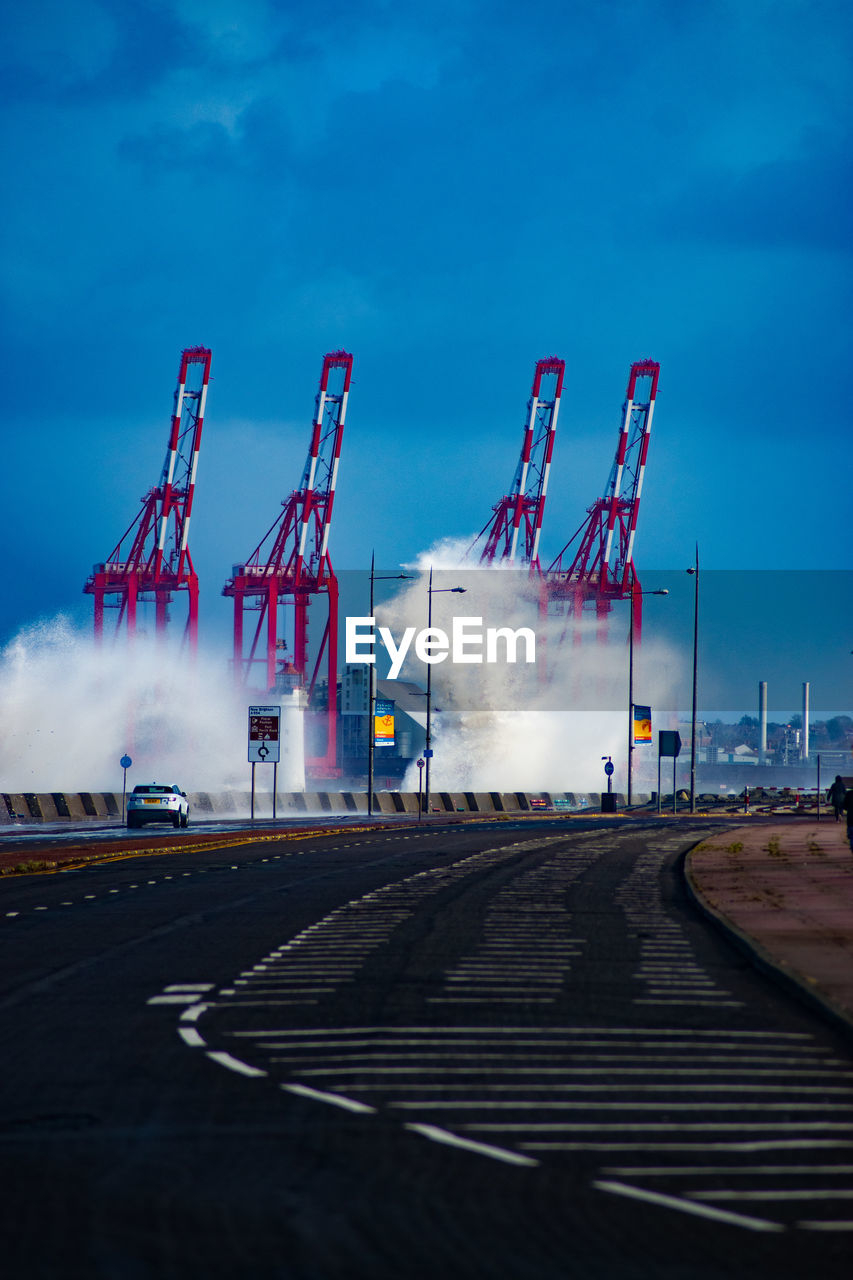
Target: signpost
[669, 744]
[421, 763]
[608, 800]
[125, 763]
[264, 744]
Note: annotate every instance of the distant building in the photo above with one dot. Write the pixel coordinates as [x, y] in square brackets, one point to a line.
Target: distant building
[389, 763]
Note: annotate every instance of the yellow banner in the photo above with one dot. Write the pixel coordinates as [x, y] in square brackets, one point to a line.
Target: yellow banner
[642, 724]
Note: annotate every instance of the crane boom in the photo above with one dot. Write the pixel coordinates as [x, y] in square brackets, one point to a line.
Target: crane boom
[152, 557]
[524, 507]
[292, 563]
[597, 563]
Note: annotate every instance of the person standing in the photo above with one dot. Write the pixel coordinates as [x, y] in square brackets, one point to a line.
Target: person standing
[835, 795]
[848, 809]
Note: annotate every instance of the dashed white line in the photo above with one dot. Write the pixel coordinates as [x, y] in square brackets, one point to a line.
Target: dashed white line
[174, 997]
[334, 1099]
[838, 1225]
[685, 1206]
[194, 1013]
[466, 1144]
[802, 1194]
[234, 1064]
[191, 1037]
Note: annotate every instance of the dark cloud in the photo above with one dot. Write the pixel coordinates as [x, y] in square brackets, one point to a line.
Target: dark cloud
[451, 190]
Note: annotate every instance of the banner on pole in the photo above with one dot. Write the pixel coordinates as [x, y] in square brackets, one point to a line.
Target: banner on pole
[642, 724]
[383, 723]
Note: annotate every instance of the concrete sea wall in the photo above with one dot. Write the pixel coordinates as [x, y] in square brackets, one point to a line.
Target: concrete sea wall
[56, 806]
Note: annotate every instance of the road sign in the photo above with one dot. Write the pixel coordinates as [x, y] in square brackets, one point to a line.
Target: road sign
[264, 735]
[669, 742]
[125, 762]
[609, 768]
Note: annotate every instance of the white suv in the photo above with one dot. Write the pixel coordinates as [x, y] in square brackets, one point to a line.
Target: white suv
[154, 803]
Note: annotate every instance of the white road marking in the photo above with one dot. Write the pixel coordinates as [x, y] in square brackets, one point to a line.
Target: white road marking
[545, 1104]
[334, 1099]
[725, 1170]
[728, 1004]
[826, 1226]
[684, 1206]
[234, 1064]
[465, 1144]
[194, 1013]
[189, 986]
[174, 997]
[736, 1089]
[784, 1144]
[573, 1033]
[813, 1193]
[564, 1071]
[711, 1126]
[191, 1037]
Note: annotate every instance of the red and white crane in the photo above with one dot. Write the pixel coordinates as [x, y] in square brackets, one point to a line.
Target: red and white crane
[291, 564]
[522, 509]
[597, 563]
[151, 560]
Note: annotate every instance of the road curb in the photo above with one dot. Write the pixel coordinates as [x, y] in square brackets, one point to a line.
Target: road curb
[762, 959]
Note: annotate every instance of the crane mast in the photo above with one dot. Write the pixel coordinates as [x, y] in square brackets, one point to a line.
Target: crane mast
[521, 511]
[597, 563]
[291, 564]
[151, 560]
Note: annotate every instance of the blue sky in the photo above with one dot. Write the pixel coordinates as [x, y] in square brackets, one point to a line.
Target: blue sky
[450, 191]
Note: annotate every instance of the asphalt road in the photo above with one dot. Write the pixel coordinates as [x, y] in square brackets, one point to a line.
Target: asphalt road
[488, 1049]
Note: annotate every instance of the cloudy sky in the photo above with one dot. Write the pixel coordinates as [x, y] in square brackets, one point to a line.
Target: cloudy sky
[449, 190]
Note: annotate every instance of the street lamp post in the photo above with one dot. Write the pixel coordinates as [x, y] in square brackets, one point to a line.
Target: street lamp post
[371, 701]
[694, 570]
[431, 591]
[634, 592]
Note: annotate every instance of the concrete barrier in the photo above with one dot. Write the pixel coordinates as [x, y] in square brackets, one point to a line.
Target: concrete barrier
[17, 806]
[57, 806]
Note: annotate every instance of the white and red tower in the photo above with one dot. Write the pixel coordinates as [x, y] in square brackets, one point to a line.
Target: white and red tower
[596, 566]
[512, 534]
[291, 564]
[151, 560]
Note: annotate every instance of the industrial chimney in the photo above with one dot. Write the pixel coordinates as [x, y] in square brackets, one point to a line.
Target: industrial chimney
[762, 722]
[804, 741]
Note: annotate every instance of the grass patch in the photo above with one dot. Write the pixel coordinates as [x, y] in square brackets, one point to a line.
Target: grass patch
[773, 847]
[27, 868]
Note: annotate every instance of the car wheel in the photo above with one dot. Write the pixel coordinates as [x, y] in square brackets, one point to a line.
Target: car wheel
[176, 819]
[185, 820]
